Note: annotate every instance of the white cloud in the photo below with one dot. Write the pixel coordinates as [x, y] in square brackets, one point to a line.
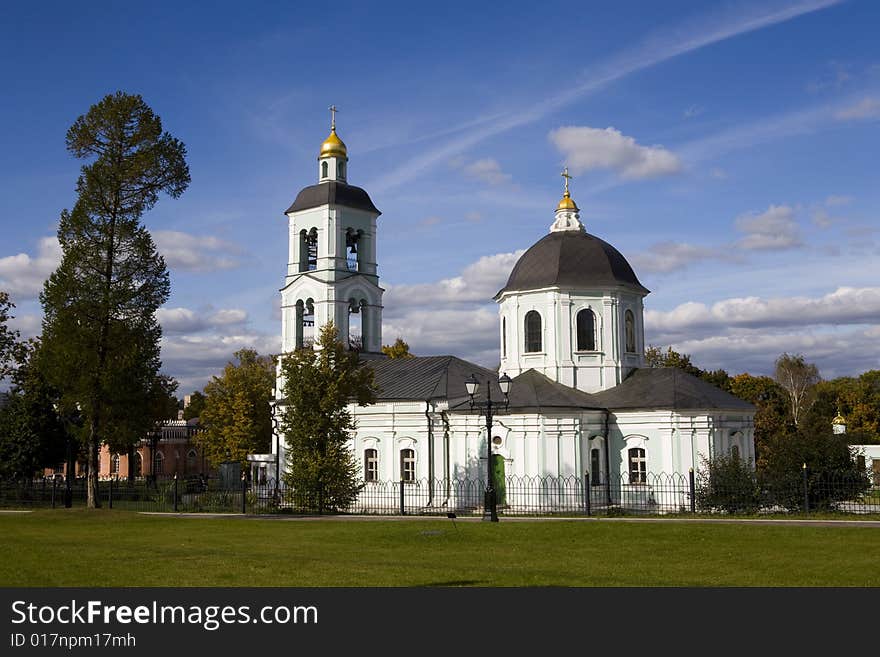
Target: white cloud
[670, 256]
[846, 305]
[185, 320]
[773, 229]
[488, 170]
[586, 148]
[867, 108]
[23, 276]
[478, 282]
[201, 253]
[693, 111]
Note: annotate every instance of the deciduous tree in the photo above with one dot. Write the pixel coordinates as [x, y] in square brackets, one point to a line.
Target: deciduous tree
[399, 349]
[798, 378]
[8, 337]
[100, 331]
[316, 423]
[236, 417]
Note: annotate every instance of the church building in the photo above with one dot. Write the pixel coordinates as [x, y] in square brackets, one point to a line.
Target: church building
[581, 404]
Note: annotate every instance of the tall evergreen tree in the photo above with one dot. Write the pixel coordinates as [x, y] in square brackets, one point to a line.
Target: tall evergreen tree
[316, 423]
[100, 332]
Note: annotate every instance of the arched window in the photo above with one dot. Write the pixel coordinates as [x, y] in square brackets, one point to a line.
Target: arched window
[586, 330]
[504, 337]
[312, 249]
[533, 331]
[734, 452]
[371, 465]
[340, 167]
[408, 465]
[192, 459]
[325, 169]
[630, 326]
[114, 464]
[158, 463]
[637, 466]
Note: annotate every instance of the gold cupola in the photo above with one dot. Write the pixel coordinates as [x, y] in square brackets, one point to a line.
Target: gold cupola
[566, 203]
[333, 145]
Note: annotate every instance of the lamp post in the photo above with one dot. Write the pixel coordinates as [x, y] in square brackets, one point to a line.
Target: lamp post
[277, 436]
[490, 504]
[71, 466]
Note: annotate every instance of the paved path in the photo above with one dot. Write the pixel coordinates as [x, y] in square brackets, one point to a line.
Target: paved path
[332, 518]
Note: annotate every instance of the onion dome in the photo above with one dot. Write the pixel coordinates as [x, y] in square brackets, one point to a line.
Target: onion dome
[333, 146]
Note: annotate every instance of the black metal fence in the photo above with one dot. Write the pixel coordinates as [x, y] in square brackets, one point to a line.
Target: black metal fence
[646, 494]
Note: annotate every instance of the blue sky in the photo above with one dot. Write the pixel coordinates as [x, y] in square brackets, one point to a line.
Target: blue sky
[727, 149]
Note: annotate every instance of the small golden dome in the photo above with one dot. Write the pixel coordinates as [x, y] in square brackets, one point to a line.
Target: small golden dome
[839, 419]
[566, 203]
[333, 147]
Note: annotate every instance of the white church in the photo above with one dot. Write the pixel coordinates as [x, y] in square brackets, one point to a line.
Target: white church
[582, 405]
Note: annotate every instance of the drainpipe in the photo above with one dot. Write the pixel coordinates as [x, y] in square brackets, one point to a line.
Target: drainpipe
[607, 460]
[430, 453]
[445, 418]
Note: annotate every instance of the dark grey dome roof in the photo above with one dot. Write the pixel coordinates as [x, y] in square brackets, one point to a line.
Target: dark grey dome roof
[571, 259]
[333, 193]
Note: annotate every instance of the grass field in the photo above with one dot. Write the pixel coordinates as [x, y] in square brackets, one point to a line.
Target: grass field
[118, 548]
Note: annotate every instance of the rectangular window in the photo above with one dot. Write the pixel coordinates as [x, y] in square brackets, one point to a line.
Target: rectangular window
[637, 466]
[371, 465]
[407, 465]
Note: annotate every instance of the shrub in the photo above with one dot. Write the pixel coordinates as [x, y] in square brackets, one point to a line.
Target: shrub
[727, 483]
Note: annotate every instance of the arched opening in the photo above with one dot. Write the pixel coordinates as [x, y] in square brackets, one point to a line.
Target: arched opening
[158, 463]
[596, 466]
[352, 252]
[586, 330]
[325, 169]
[734, 452]
[630, 327]
[340, 168]
[312, 250]
[192, 461]
[356, 324]
[533, 337]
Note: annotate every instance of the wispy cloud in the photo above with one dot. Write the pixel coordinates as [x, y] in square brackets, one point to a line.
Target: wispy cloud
[773, 229]
[867, 108]
[659, 47]
[201, 253]
[487, 170]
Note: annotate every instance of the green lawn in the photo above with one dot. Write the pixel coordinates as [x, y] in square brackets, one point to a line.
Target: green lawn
[118, 548]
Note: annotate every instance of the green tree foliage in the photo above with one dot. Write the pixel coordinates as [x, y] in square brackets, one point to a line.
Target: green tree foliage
[319, 385]
[656, 357]
[857, 398]
[833, 474]
[100, 332]
[399, 349]
[32, 435]
[196, 406]
[727, 483]
[236, 416]
[771, 416]
[8, 337]
[798, 378]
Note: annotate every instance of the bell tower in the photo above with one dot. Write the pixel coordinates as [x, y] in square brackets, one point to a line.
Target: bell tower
[331, 269]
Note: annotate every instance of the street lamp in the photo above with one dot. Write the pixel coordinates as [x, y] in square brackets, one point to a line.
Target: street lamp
[277, 436]
[71, 466]
[490, 504]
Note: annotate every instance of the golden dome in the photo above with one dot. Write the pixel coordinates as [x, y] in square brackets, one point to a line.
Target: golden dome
[333, 146]
[566, 203]
[839, 419]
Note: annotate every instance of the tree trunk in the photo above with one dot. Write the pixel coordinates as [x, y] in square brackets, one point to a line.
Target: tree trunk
[93, 499]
